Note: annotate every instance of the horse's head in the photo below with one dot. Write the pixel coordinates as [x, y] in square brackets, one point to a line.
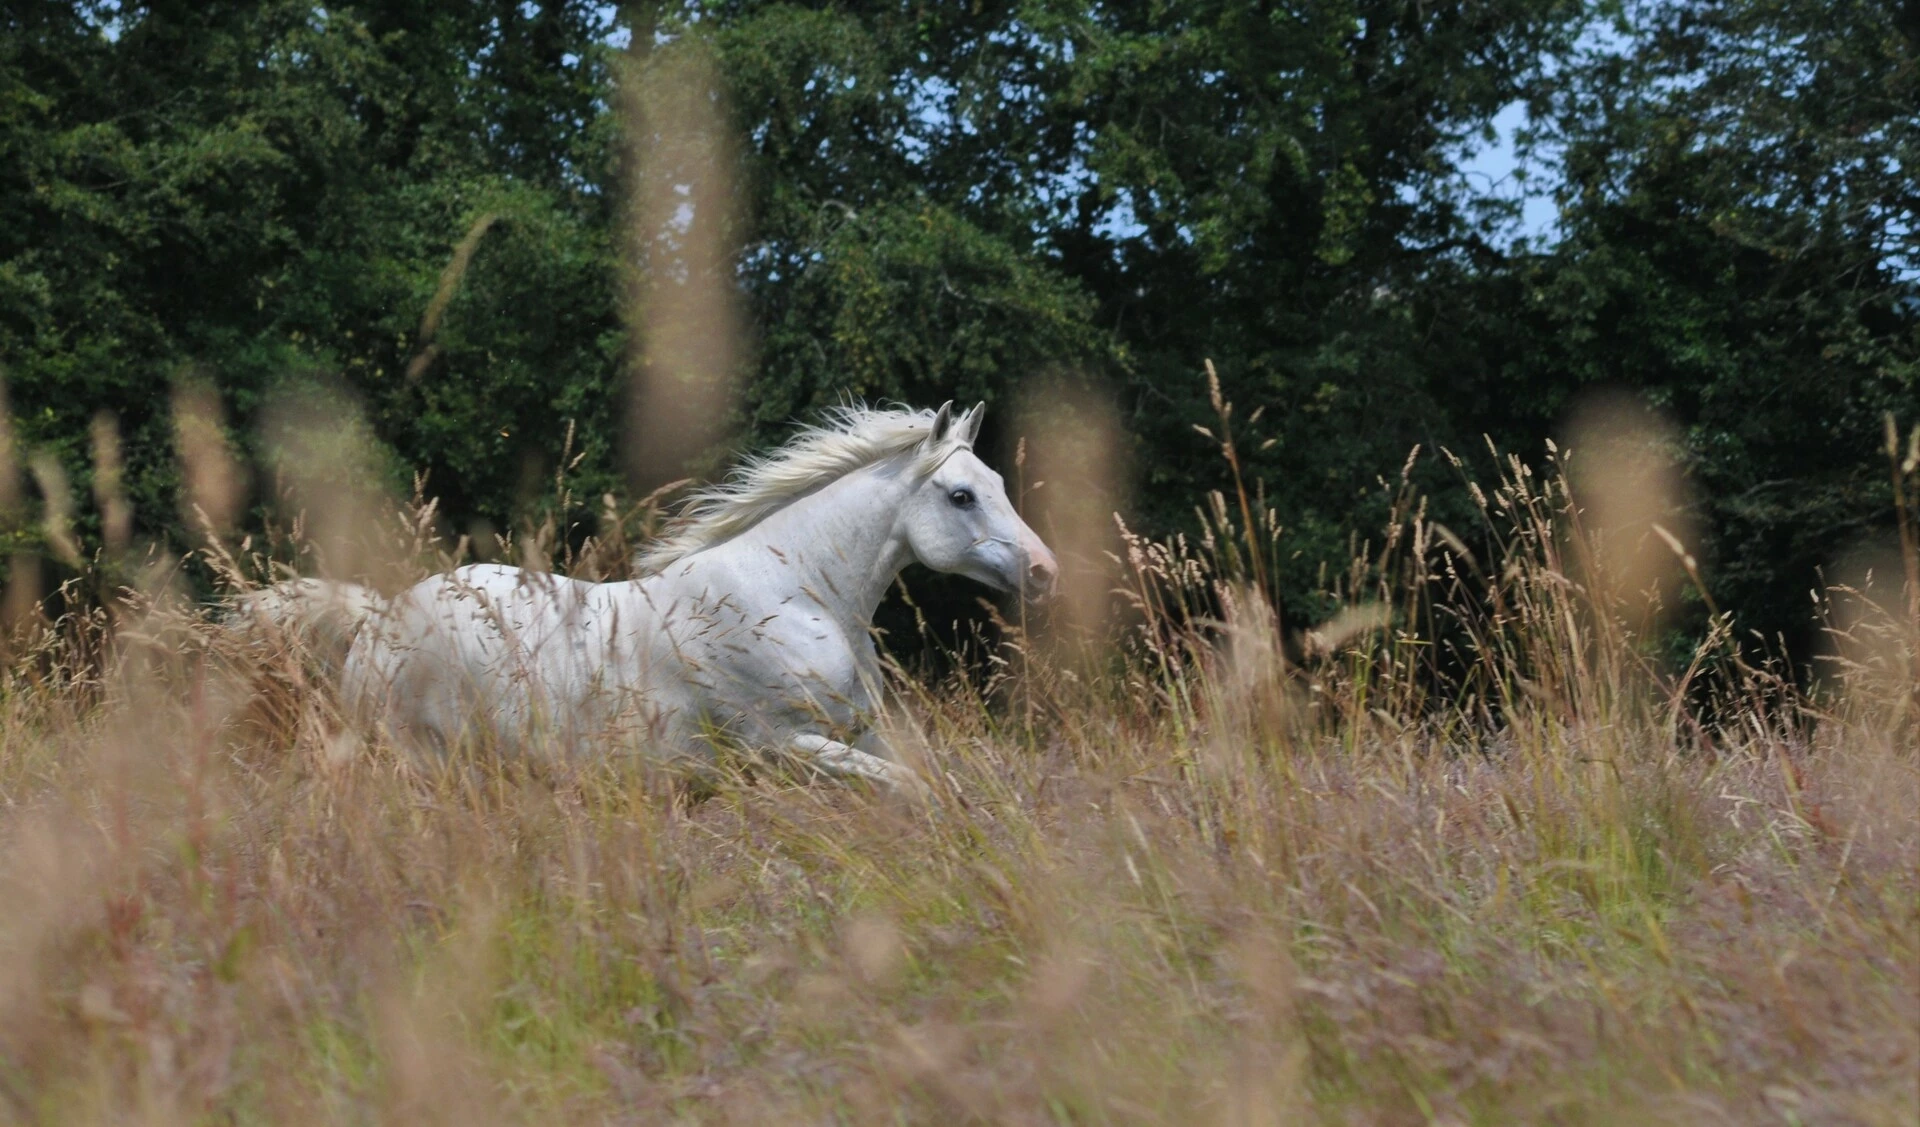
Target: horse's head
[958, 518]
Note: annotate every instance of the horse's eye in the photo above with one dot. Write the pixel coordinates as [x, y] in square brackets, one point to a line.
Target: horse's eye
[961, 498]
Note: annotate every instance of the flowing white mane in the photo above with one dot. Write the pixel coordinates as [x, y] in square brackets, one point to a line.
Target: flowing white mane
[850, 437]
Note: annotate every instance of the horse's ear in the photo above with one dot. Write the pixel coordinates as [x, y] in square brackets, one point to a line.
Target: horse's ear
[942, 421]
[969, 425]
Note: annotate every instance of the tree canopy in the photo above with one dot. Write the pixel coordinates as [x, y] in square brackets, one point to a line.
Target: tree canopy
[947, 201]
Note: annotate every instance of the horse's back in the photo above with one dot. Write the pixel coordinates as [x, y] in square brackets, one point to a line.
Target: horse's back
[479, 645]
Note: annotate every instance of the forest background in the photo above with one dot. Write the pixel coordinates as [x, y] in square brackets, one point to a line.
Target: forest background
[424, 206]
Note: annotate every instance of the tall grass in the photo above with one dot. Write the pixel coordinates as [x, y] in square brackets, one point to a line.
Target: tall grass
[1469, 851]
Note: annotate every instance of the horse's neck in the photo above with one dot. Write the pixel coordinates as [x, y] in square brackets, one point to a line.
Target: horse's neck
[839, 546]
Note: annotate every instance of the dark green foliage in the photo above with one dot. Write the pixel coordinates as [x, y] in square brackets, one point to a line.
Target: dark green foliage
[949, 200]
[1237, 180]
[1741, 247]
[266, 194]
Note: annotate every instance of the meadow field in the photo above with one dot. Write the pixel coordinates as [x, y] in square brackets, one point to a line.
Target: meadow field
[1573, 778]
[1471, 850]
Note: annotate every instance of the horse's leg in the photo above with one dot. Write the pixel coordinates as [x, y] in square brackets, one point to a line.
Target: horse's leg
[831, 757]
[876, 745]
[880, 747]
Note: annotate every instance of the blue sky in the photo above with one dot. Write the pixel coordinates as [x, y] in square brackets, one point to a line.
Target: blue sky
[1491, 170]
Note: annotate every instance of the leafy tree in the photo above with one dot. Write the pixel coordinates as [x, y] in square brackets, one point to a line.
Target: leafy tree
[419, 203]
[1251, 182]
[1740, 247]
[267, 194]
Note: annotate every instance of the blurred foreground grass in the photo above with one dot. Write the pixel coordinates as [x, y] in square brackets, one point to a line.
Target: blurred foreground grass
[1464, 854]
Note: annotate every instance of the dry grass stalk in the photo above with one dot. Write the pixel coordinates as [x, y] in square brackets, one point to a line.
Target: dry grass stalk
[211, 490]
[678, 251]
[109, 488]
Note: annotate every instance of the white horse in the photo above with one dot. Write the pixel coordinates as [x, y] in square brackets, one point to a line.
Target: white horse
[750, 628]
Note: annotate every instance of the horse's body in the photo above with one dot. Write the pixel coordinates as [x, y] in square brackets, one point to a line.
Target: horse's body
[753, 628]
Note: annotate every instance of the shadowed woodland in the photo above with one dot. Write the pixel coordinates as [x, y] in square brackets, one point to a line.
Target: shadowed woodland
[426, 208]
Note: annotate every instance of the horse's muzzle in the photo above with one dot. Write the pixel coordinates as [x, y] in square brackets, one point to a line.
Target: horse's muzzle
[1042, 579]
